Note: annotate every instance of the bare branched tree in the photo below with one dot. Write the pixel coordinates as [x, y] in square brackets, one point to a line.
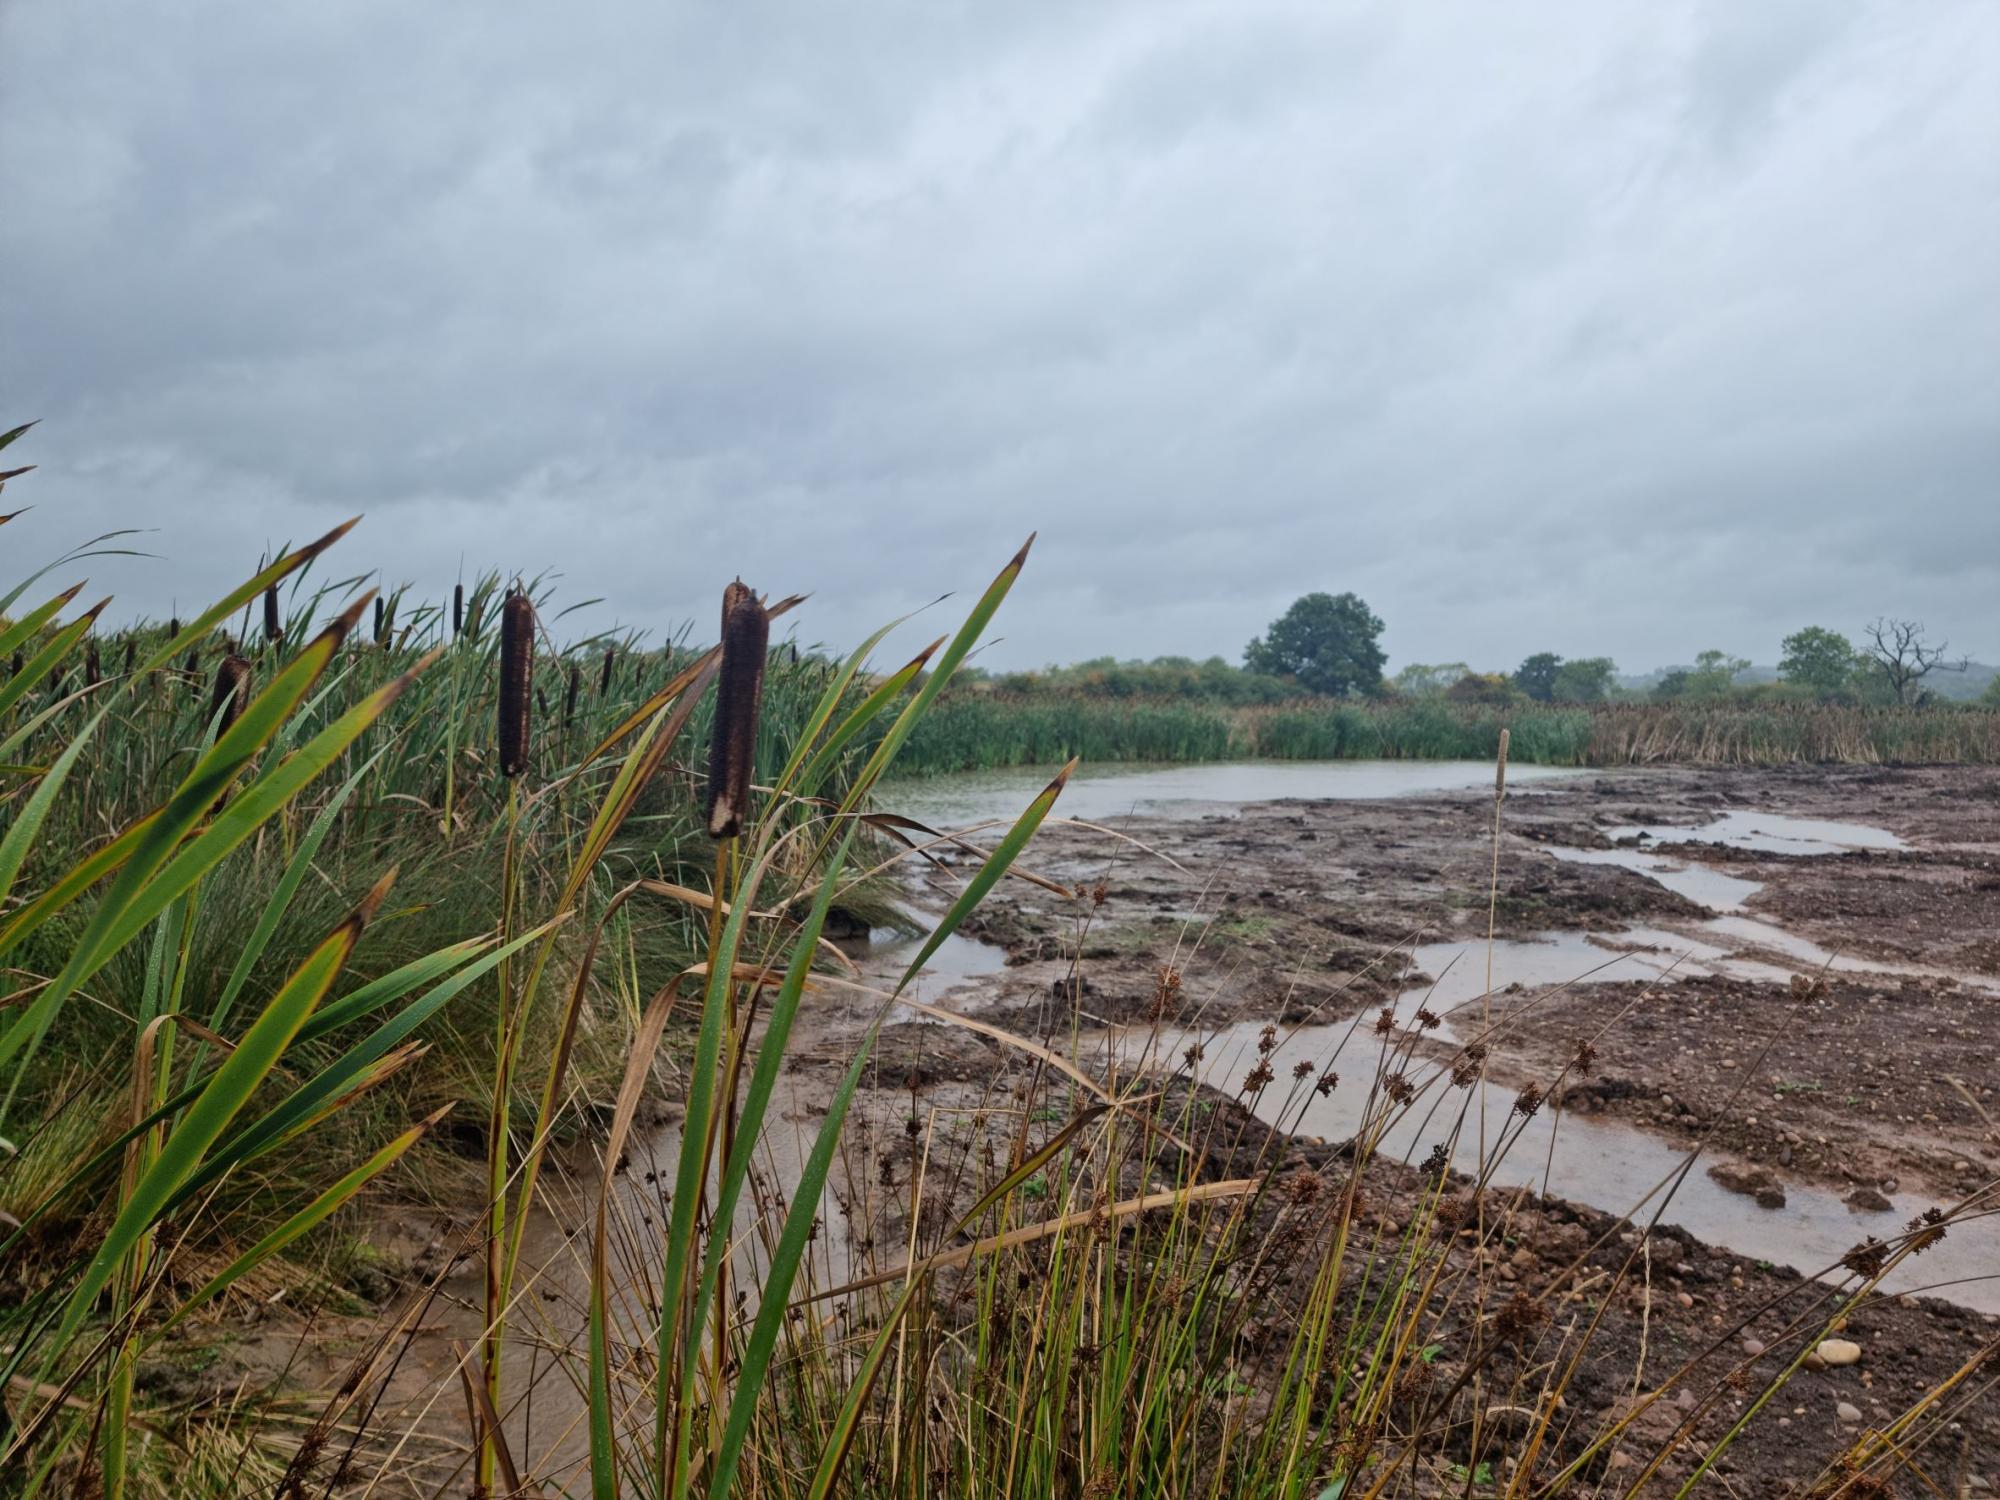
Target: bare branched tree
[1897, 649]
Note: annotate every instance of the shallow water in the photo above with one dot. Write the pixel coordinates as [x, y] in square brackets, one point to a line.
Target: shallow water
[1096, 793]
[1604, 1164]
[1700, 884]
[886, 953]
[1769, 833]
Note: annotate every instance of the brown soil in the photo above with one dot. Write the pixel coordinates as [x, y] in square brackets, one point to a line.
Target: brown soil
[1865, 1082]
[1294, 910]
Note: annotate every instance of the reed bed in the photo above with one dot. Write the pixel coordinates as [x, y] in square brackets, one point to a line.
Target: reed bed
[990, 731]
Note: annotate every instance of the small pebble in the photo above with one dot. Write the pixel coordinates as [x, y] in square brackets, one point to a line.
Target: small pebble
[1847, 1411]
[1753, 1347]
[1838, 1352]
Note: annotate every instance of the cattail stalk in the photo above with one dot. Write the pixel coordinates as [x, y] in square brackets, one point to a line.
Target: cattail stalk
[517, 666]
[231, 694]
[274, 629]
[739, 693]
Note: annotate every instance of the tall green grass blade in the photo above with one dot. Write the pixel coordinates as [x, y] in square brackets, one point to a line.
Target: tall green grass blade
[235, 1080]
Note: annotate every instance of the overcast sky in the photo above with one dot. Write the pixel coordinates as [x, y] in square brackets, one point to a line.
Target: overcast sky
[1603, 328]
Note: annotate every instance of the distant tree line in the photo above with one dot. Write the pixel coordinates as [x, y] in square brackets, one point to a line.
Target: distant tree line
[1330, 646]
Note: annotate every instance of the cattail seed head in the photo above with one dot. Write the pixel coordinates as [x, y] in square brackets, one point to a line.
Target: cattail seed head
[173, 626]
[604, 677]
[739, 692]
[569, 701]
[131, 655]
[231, 693]
[93, 666]
[457, 610]
[381, 621]
[517, 667]
[1500, 773]
[274, 629]
[18, 664]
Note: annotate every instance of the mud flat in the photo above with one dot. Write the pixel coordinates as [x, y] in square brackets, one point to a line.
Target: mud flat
[1795, 971]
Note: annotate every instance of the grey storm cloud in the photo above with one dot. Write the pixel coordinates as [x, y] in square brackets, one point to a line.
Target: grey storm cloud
[1599, 328]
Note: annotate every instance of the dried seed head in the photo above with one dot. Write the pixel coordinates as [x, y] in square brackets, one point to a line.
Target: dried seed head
[93, 667]
[274, 628]
[381, 620]
[232, 691]
[131, 655]
[569, 702]
[517, 666]
[1866, 1258]
[173, 626]
[1465, 1071]
[1518, 1320]
[604, 676]
[1528, 1101]
[1399, 1088]
[1500, 772]
[739, 692]
[457, 610]
[15, 669]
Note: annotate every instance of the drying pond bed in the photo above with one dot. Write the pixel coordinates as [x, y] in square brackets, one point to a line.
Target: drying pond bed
[1301, 912]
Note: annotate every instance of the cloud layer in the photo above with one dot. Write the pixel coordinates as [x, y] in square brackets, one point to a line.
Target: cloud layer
[1605, 329]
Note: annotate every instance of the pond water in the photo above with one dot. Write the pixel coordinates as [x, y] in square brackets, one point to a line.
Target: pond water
[1096, 793]
[1768, 833]
[1605, 1164]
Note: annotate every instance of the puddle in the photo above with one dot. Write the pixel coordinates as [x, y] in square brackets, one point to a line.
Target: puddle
[885, 953]
[1603, 1164]
[1096, 793]
[1769, 833]
[1705, 887]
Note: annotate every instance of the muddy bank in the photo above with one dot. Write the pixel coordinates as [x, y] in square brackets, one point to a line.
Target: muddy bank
[1319, 911]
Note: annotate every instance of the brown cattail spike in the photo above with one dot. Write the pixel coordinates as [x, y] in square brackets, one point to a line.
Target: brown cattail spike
[569, 703]
[232, 692]
[93, 666]
[173, 627]
[517, 667]
[274, 629]
[381, 621]
[739, 692]
[604, 677]
[457, 610]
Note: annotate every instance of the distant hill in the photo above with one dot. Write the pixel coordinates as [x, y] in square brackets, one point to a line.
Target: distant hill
[1959, 686]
